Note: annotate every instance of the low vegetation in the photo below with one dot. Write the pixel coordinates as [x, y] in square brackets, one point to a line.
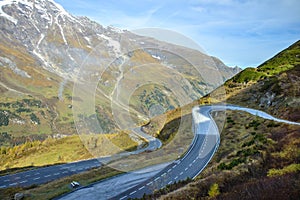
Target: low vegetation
[256, 157]
[251, 152]
[62, 150]
[61, 186]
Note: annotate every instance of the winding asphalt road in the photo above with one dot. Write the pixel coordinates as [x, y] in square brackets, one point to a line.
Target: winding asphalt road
[202, 149]
[205, 143]
[46, 174]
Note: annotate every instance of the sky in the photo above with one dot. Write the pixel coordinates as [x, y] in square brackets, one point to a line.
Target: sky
[241, 33]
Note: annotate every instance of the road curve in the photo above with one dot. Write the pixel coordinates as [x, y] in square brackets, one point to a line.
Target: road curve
[46, 174]
[205, 143]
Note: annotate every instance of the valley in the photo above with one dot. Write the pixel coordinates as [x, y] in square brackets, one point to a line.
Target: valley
[98, 105]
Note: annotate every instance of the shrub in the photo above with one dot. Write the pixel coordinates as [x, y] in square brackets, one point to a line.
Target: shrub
[214, 190]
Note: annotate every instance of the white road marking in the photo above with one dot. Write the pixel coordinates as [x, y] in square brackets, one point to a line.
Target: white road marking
[65, 172]
[169, 170]
[194, 161]
[156, 178]
[23, 181]
[141, 188]
[123, 197]
[47, 175]
[186, 169]
[17, 178]
[174, 166]
[37, 178]
[56, 174]
[132, 192]
[181, 173]
[163, 174]
[169, 182]
[149, 183]
[190, 164]
[6, 180]
[176, 177]
[27, 175]
[2, 186]
[12, 184]
[37, 173]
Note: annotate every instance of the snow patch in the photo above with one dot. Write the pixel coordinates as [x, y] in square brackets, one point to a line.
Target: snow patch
[62, 10]
[112, 43]
[5, 15]
[61, 30]
[116, 30]
[87, 39]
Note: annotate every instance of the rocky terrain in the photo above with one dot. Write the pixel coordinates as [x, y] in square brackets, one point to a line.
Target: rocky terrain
[44, 50]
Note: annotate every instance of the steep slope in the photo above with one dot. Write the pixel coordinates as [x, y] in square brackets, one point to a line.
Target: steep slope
[53, 64]
[256, 157]
[44, 50]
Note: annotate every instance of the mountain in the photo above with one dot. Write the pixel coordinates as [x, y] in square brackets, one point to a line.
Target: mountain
[44, 51]
[257, 158]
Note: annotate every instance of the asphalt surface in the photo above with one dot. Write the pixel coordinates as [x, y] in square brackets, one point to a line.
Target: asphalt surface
[203, 147]
[46, 174]
[113, 186]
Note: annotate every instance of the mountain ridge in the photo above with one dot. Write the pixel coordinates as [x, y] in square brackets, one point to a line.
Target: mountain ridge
[42, 52]
[254, 154]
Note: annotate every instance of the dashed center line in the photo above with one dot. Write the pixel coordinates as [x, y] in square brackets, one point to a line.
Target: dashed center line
[12, 184]
[169, 170]
[149, 183]
[176, 177]
[6, 180]
[37, 173]
[37, 178]
[123, 197]
[23, 181]
[181, 173]
[27, 175]
[47, 176]
[186, 169]
[2, 186]
[169, 182]
[174, 166]
[156, 178]
[141, 188]
[163, 174]
[132, 192]
[56, 174]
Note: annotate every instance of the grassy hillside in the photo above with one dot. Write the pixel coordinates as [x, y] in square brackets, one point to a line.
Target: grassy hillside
[256, 157]
[62, 150]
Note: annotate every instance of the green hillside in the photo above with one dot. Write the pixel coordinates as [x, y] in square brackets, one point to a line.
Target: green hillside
[256, 157]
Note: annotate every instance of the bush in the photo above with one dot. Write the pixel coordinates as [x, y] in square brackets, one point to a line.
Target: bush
[214, 190]
[4, 118]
